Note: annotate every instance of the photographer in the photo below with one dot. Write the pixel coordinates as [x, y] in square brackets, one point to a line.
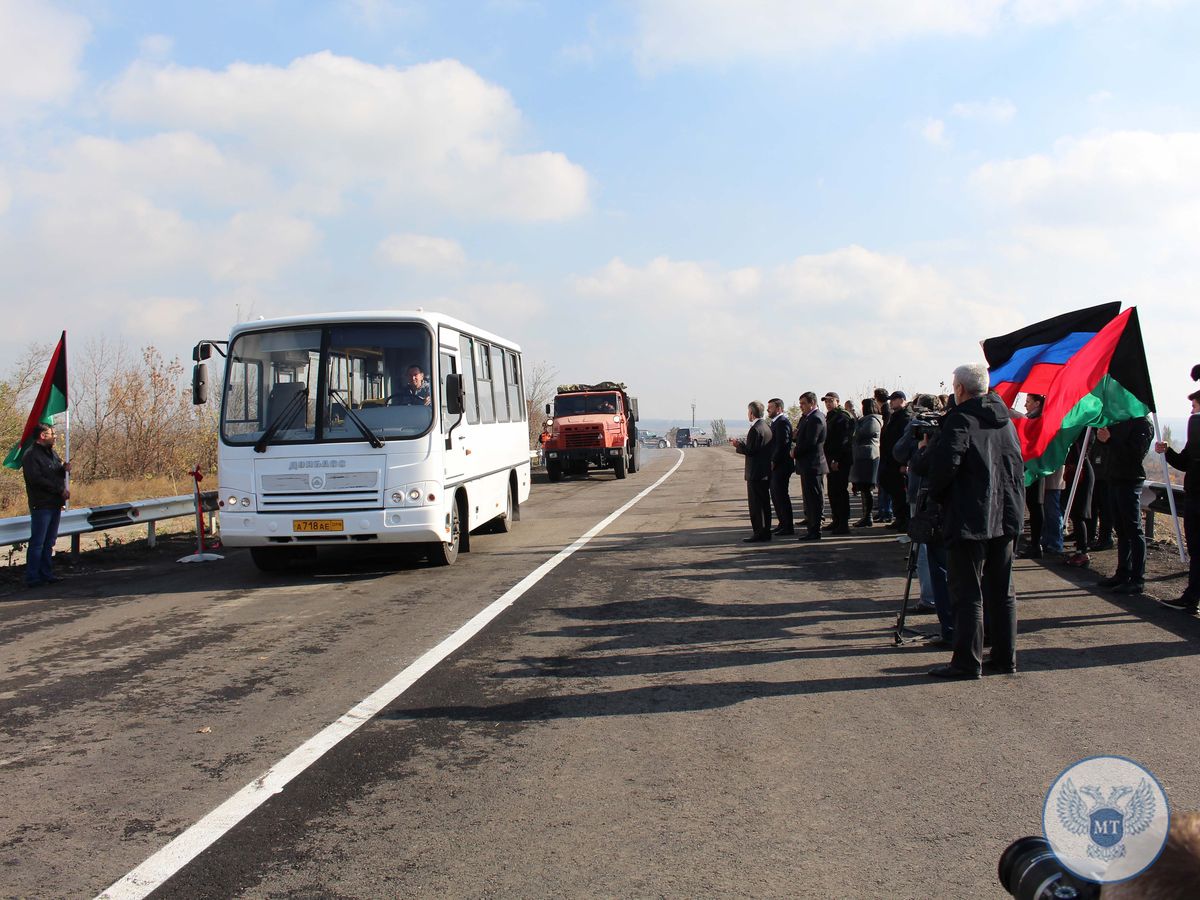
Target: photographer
[976, 473]
[923, 419]
[925, 527]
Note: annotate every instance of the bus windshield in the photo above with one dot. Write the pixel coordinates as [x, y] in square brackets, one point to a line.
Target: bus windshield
[580, 404]
[336, 383]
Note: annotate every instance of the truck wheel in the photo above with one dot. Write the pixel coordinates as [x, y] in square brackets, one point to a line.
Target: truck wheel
[554, 470]
[662, 445]
[442, 553]
[619, 465]
[270, 559]
[635, 460]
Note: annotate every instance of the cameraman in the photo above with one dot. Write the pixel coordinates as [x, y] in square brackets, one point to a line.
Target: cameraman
[925, 431]
[976, 473]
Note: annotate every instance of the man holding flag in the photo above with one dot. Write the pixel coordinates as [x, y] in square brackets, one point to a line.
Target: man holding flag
[45, 473]
[46, 488]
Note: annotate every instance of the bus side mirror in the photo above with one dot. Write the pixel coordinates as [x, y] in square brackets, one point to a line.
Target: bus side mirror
[201, 351]
[199, 384]
[547, 409]
[456, 398]
[633, 408]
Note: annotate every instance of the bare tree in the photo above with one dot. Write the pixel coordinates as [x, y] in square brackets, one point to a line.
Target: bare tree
[539, 390]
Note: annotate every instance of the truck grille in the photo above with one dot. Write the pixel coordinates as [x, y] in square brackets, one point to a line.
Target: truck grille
[585, 438]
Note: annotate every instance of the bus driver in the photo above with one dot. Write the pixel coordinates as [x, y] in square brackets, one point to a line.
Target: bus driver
[415, 392]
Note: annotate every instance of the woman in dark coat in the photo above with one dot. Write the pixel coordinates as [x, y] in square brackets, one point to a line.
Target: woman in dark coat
[864, 470]
[1081, 509]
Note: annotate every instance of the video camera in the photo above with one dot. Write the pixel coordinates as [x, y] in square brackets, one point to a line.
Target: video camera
[1029, 870]
[927, 423]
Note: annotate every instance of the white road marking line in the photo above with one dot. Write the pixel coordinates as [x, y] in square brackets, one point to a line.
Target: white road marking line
[152, 873]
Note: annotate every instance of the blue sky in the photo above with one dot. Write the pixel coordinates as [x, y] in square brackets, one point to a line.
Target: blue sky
[710, 200]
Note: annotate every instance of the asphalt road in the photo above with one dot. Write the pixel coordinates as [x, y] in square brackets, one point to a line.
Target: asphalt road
[668, 713]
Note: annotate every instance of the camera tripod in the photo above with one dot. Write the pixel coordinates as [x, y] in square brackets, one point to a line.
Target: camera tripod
[903, 634]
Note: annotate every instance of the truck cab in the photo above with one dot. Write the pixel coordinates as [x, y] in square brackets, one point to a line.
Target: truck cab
[592, 426]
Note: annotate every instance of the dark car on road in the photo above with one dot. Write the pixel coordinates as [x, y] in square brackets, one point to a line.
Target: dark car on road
[692, 437]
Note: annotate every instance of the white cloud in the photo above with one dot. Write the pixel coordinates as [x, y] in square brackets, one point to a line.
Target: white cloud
[5, 194]
[934, 131]
[709, 318]
[721, 31]
[996, 110]
[421, 251]
[1120, 180]
[40, 49]
[436, 133]
[156, 46]
[257, 246]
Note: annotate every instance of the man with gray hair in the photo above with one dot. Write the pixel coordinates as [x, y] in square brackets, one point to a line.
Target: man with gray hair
[756, 447]
[975, 471]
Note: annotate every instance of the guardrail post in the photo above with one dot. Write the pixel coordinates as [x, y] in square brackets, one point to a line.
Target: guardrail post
[74, 548]
[151, 536]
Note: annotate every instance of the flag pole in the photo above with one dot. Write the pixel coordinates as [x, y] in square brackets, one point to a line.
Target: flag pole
[67, 454]
[1087, 435]
[1170, 494]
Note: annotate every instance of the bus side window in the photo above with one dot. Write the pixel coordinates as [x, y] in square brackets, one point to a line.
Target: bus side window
[483, 377]
[502, 411]
[512, 379]
[446, 366]
[466, 357]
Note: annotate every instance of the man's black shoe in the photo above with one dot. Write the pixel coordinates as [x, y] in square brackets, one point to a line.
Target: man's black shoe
[945, 670]
[1130, 587]
[941, 642]
[1184, 604]
[1100, 545]
[757, 539]
[53, 579]
[992, 668]
[1029, 553]
[923, 608]
[784, 532]
[864, 523]
[1112, 581]
[841, 529]
[811, 536]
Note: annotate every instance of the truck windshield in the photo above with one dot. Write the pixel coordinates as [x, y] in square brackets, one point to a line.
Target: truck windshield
[581, 404]
[376, 373]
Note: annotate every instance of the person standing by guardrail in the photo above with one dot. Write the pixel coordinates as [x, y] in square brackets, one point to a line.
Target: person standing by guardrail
[46, 488]
[1188, 461]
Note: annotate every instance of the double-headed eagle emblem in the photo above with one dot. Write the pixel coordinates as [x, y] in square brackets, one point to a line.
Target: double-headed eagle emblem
[1106, 820]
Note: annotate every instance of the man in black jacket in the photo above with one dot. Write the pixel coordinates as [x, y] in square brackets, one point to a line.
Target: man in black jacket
[976, 473]
[811, 464]
[839, 452]
[891, 479]
[757, 449]
[46, 489]
[1188, 461]
[1128, 442]
[781, 466]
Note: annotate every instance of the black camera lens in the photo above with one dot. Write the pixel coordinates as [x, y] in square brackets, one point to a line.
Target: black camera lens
[1029, 870]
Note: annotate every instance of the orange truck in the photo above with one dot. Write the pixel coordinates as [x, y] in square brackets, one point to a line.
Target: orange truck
[594, 426]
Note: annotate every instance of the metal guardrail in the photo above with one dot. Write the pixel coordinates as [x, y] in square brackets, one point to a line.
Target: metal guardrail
[1160, 502]
[75, 522]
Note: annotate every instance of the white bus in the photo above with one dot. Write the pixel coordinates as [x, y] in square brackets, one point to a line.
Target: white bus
[371, 427]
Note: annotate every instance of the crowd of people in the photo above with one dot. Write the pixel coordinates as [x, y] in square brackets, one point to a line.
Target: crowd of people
[947, 472]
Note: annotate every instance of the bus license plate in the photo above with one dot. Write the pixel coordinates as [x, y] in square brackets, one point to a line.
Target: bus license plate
[317, 525]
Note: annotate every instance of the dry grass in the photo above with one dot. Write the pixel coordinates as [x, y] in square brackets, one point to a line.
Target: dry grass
[108, 491]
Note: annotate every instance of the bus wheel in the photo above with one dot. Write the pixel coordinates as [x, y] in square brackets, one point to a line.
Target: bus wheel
[270, 559]
[619, 465]
[504, 523]
[554, 470]
[442, 553]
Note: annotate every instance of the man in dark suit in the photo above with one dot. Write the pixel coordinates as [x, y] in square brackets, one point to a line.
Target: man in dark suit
[756, 447]
[891, 479]
[839, 451]
[781, 465]
[811, 464]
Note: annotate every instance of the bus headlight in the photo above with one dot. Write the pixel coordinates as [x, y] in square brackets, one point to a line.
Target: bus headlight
[246, 502]
[397, 497]
[414, 495]
[232, 501]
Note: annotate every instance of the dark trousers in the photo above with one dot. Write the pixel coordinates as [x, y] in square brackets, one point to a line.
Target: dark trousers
[781, 497]
[814, 501]
[897, 492]
[1081, 529]
[868, 498]
[43, 527]
[1033, 503]
[980, 578]
[1102, 523]
[838, 484]
[758, 492]
[1125, 499]
[936, 554]
[1191, 536]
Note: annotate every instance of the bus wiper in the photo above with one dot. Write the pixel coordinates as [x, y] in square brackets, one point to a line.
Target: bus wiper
[299, 399]
[354, 417]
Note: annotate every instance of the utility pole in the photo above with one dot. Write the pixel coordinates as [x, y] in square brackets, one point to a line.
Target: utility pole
[693, 413]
